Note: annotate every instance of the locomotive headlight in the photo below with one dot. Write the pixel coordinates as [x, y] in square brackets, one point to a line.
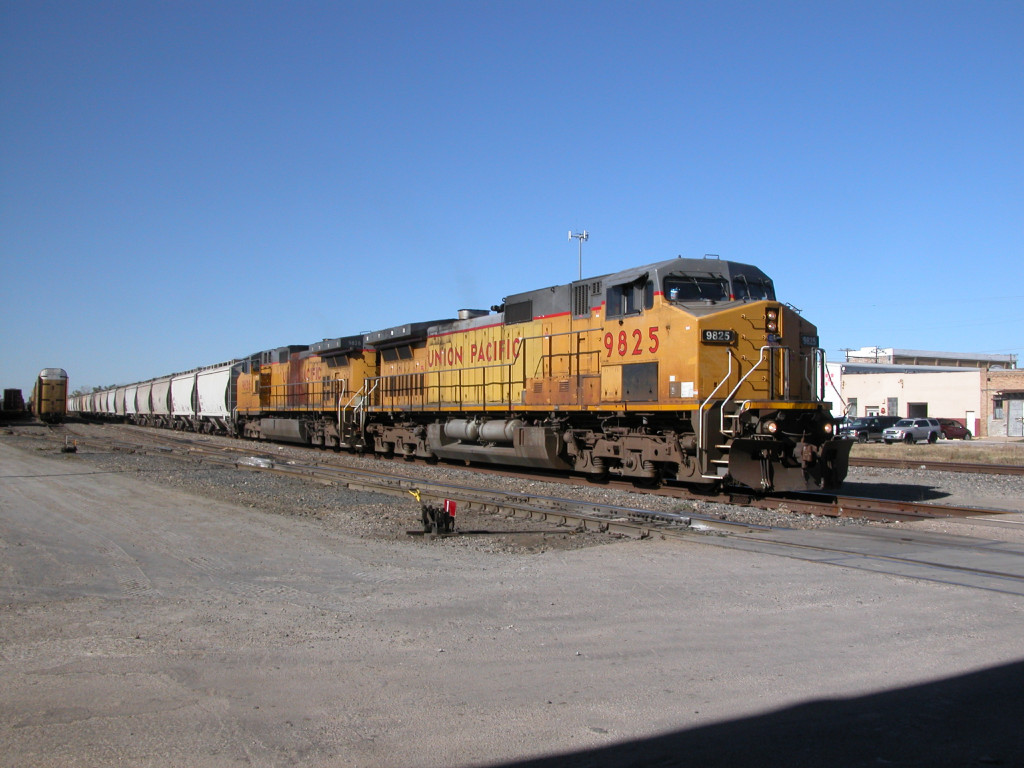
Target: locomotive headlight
[771, 320]
[828, 428]
[771, 427]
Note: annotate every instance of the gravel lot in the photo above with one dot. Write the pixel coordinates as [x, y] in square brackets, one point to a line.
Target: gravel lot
[160, 612]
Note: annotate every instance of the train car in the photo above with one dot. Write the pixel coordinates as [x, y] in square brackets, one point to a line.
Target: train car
[306, 394]
[160, 398]
[687, 370]
[50, 395]
[120, 395]
[144, 404]
[13, 405]
[183, 402]
[215, 397]
[131, 395]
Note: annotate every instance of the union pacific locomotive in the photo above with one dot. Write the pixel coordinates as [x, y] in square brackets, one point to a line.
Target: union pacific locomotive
[687, 370]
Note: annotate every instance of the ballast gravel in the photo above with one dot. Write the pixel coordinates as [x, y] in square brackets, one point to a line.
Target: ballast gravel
[375, 515]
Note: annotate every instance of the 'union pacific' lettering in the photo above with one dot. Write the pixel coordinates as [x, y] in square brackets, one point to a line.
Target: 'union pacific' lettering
[497, 351]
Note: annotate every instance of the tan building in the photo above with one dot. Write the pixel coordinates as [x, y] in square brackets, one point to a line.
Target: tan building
[910, 391]
[984, 392]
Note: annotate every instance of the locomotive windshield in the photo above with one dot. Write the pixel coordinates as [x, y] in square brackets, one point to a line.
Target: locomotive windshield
[695, 288]
[753, 290]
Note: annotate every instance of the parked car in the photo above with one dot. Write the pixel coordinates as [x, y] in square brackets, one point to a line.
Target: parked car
[866, 428]
[954, 430]
[912, 430]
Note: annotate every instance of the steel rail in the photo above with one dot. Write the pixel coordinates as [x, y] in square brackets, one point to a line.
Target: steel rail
[937, 465]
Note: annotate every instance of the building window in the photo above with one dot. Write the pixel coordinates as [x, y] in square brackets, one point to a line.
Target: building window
[851, 407]
[997, 409]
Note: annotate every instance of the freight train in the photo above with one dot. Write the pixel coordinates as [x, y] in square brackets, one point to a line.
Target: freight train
[50, 395]
[686, 370]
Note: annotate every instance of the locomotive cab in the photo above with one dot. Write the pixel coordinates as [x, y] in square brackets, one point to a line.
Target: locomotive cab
[756, 380]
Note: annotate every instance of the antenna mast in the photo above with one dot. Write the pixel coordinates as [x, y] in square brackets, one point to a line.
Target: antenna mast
[581, 236]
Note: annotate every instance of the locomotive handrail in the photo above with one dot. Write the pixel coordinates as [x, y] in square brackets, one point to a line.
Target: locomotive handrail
[701, 412]
[818, 388]
[739, 384]
[358, 408]
[765, 353]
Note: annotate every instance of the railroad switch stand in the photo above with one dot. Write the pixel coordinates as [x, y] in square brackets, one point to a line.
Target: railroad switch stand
[437, 518]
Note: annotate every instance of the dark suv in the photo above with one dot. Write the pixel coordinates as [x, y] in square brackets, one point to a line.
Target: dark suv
[866, 428]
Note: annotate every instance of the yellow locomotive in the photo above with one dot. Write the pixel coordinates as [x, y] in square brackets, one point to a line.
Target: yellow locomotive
[687, 370]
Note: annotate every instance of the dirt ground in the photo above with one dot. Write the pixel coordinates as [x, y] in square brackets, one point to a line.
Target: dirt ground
[142, 624]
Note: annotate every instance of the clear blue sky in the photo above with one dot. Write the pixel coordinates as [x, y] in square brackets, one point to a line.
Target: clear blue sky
[182, 183]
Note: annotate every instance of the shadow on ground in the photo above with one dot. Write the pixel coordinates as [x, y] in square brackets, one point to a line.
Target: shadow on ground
[972, 720]
[893, 491]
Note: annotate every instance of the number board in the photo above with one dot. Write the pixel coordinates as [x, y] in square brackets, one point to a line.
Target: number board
[713, 336]
[809, 341]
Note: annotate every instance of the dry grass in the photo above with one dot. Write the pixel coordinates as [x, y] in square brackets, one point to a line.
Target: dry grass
[968, 451]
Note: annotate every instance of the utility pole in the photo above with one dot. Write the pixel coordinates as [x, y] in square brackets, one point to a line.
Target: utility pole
[581, 236]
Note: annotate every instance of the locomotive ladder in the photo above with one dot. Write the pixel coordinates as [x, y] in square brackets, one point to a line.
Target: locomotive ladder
[353, 413]
[728, 425]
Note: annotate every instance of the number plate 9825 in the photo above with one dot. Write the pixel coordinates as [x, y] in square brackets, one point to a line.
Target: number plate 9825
[712, 336]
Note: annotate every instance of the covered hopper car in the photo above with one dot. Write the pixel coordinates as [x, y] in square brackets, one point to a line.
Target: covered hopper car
[686, 370]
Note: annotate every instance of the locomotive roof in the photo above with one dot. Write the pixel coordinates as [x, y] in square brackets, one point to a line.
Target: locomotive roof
[713, 267]
[401, 334]
[557, 298]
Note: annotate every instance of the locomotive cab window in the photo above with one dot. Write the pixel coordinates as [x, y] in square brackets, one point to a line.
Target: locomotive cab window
[690, 288]
[752, 290]
[629, 298]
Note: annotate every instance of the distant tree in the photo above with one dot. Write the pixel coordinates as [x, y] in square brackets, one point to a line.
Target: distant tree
[86, 390]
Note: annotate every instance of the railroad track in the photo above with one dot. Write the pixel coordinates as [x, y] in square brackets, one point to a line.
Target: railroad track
[826, 505]
[938, 466]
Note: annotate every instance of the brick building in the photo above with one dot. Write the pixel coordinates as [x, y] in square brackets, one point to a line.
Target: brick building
[1002, 403]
